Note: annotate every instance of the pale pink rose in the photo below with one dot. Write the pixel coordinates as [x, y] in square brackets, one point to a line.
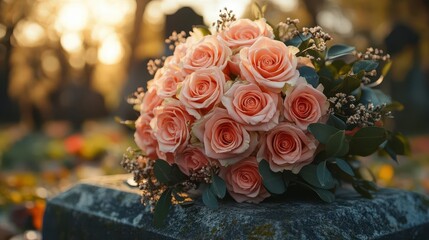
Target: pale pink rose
[206, 53]
[286, 147]
[269, 64]
[243, 181]
[223, 138]
[202, 90]
[144, 137]
[248, 104]
[244, 32]
[234, 65]
[150, 101]
[171, 126]
[191, 159]
[305, 104]
[166, 156]
[166, 85]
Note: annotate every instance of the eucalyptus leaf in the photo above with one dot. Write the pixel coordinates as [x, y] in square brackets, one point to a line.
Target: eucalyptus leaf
[322, 132]
[162, 171]
[367, 140]
[273, 181]
[374, 96]
[348, 85]
[218, 186]
[364, 65]
[399, 144]
[310, 174]
[324, 175]
[344, 166]
[209, 199]
[297, 40]
[162, 208]
[324, 195]
[310, 75]
[337, 145]
[336, 122]
[339, 51]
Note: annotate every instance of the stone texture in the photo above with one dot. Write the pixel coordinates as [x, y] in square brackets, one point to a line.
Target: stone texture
[107, 208]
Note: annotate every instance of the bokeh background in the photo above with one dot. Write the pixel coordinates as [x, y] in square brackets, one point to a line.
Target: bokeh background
[67, 68]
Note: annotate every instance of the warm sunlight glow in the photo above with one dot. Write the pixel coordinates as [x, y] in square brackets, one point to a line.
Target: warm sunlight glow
[71, 42]
[111, 51]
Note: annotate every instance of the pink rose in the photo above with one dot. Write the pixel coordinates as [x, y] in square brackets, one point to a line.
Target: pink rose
[287, 147]
[206, 53]
[234, 65]
[243, 181]
[269, 64]
[166, 85]
[191, 159]
[171, 126]
[144, 137]
[202, 90]
[244, 32]
[224, 139]
[150, 101]
[305, 104]
[249, 105]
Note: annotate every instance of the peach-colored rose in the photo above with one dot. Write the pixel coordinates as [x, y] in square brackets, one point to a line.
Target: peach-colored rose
[202, 90]
[286, 147]
[234, 65]
[191, 159]
[249, 105]
[243, 181]
[150, 101]
[206, 53]
[171, 126]
[269, 64]
[144, 137]
[305, 104]
[224, 139]
[244, 32]
[166, 85]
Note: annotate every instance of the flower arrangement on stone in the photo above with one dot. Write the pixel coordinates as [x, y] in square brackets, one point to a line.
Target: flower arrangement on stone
[252, 109]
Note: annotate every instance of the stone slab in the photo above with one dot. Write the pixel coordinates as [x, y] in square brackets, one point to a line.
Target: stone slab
[106, 208]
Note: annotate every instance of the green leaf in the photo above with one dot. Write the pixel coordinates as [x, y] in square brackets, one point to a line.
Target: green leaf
[162, 171]
[324, 195]
[273, 181]
[362, 190]
[203, 29]
[337, 145]
[322, 132]
[338, 51]
[374, 96]
[209, 199]
[336, 122]
[297, 40]
[176, 175]
[218, 186]
[399, 144]
[364, 65]
[367, 140]
[310, 174]
[162, 208]
[348, 85]
[324, 175]
[344, 166]
[310, 75]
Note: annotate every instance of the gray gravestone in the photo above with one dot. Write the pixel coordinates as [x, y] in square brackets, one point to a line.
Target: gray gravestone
[108, 209]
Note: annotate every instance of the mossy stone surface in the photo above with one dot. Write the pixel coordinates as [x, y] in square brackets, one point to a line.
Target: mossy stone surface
[107, 208]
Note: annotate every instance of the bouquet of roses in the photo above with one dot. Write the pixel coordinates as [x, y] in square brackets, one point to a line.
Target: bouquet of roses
[253, 109]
